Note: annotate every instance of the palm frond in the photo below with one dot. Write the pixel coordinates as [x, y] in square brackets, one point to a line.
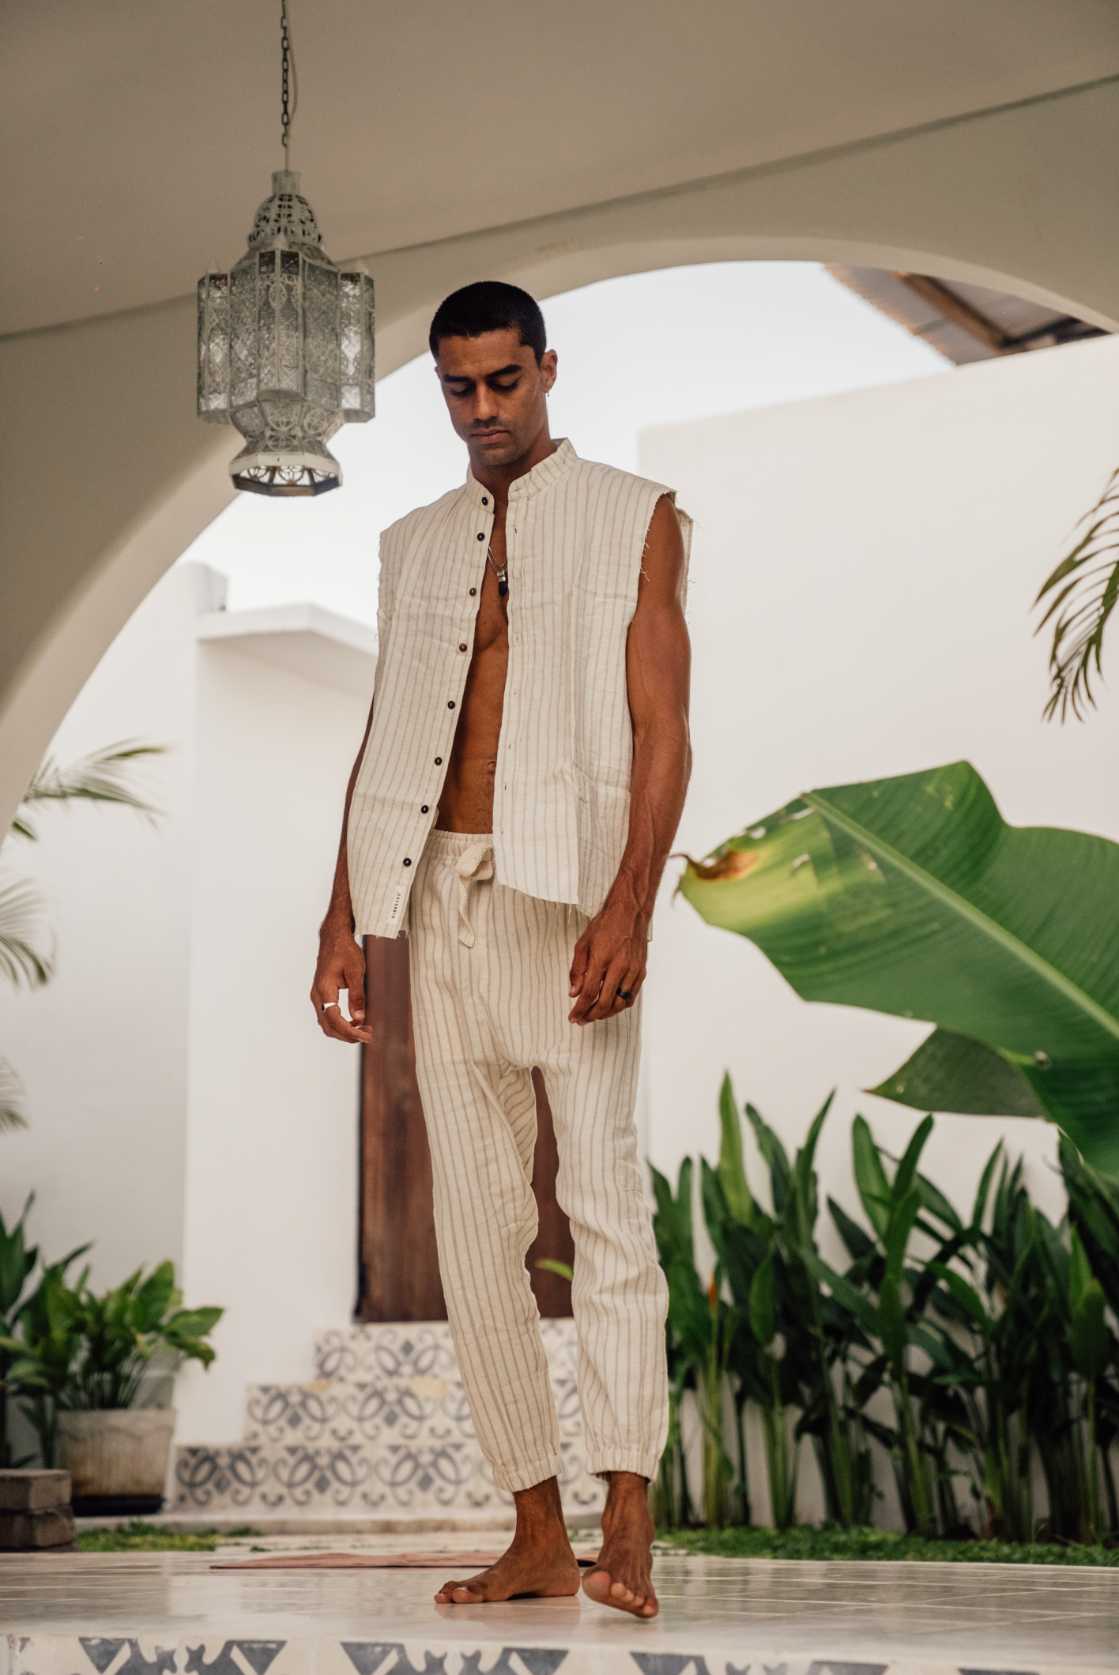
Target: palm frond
[11, 1094]
[97, 777]
[22, 929]
[1082, 628]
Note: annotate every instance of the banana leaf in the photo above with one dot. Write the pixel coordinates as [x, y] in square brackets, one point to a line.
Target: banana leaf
[958, 1074]
[732, 1162]
[913, 896]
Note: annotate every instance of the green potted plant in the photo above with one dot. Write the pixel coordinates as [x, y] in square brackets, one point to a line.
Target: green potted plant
[17, 1262]
[82, 1358]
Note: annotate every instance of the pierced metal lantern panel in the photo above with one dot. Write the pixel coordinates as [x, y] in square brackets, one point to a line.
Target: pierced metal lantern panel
[286, 349]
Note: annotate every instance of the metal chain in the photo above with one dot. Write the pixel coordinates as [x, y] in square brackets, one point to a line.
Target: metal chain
[285, 50]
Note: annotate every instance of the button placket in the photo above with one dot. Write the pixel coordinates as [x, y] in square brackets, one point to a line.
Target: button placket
[515, 491]
[541, 474]
[463, 646]
[451, 702]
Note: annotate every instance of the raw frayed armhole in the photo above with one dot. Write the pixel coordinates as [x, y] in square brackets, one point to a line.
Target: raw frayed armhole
[665, 494]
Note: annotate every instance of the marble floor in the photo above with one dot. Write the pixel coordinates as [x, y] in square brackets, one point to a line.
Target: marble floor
[172, 1614]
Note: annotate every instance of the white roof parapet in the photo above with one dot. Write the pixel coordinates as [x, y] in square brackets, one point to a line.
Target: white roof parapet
[303, 638]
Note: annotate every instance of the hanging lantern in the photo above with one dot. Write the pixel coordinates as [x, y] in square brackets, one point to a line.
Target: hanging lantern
[285, 342]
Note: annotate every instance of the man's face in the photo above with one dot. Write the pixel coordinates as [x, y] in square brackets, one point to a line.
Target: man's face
[492, 384]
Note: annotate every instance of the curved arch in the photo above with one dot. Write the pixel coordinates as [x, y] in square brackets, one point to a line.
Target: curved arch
[558, 272]
[90, 565]
[618, 261]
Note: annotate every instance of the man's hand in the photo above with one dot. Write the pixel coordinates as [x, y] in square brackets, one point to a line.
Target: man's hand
[341, 965]
[610, 955]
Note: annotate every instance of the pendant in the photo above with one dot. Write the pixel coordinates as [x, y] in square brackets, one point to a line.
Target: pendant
[502, 584]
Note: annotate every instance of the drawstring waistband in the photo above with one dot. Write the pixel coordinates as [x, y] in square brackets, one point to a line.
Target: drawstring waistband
[471, 855]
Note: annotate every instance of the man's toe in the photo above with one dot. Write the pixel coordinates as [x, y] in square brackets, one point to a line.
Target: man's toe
[597, 1582]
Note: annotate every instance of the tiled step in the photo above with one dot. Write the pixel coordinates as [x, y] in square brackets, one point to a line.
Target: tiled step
[359, 1479]
[342, 1410]
[385, 1431]
[395, 1349]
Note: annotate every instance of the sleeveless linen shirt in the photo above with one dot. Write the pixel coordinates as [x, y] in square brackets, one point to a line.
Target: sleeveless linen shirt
[575, 535]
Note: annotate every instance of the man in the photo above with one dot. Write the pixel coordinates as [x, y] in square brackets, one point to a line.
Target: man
[511, 809]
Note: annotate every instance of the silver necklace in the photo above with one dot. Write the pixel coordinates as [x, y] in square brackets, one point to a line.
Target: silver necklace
[502, 574]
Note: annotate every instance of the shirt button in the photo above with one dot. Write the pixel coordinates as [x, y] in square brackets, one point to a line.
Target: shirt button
[462, 645]
[450, 703]
[481, 535]
[438, 759]
[485, 500]
[423, 808]
[473, 590]
[407, 860]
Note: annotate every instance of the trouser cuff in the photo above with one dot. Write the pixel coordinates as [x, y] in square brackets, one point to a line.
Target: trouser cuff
[512, 1477]
[604, 1459]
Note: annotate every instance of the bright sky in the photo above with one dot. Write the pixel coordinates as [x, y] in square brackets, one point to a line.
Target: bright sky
[646, 349]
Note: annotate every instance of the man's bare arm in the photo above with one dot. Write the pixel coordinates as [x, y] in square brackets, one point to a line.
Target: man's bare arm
[658, 681]
[341, 961]
[612, 951]
[340, 912]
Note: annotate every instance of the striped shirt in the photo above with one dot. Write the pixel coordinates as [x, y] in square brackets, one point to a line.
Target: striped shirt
[575, 533]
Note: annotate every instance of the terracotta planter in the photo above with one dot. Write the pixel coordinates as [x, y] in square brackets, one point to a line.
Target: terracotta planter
[116, 1457]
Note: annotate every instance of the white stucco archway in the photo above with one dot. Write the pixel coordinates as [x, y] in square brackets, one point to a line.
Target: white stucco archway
[107, 473]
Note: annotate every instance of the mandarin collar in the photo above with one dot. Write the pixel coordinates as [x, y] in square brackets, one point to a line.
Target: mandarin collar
[545, 471]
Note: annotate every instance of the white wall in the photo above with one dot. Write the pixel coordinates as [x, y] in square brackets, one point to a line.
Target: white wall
[271, 1174]
[859, 606]
[102, 1049]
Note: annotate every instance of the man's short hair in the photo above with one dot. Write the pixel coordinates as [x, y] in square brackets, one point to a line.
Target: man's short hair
[489, 305]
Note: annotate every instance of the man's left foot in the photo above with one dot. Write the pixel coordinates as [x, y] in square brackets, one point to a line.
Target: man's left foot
[623, 1573]
[538, 1566]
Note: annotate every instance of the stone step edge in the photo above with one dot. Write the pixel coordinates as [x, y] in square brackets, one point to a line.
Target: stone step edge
[268, 1447]
[565, 1321]
[242, 1446]
[346, 1384]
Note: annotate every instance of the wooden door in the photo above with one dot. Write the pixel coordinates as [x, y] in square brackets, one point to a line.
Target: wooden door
[398, 1270]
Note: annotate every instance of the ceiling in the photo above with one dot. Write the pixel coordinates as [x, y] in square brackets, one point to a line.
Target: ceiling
[140, 136]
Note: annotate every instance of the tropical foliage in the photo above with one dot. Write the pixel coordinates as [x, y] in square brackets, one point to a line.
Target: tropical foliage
[1084, 586]
[912, 896]
[973, 1354]
[17, 1264]
[24, 956]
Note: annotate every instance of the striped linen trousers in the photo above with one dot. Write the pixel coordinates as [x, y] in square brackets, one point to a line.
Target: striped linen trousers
[490, 974]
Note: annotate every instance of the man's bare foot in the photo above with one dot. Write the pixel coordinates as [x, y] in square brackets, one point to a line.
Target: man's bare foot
[538, 1563]
[623, 1575]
